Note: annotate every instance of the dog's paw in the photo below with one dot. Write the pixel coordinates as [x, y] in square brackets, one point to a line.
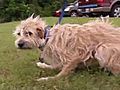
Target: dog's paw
[45, 78]
[41, 65]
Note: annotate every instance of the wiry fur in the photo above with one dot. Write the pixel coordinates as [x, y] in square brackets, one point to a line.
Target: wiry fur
[70, 41]
[72, 44]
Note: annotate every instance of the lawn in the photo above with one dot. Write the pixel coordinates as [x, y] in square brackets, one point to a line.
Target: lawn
[18, 70]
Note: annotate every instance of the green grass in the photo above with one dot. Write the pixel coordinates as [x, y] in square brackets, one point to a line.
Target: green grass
[18, 69]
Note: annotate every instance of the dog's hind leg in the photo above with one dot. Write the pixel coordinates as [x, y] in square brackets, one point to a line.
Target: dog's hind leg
[108, 57]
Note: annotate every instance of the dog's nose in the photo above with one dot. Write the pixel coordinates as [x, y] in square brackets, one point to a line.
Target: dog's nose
[20, 45]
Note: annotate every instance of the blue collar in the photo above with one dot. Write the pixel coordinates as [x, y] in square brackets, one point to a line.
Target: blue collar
[46, 36]
[46, 32]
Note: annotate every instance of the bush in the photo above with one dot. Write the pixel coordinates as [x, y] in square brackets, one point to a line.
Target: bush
[12, 10]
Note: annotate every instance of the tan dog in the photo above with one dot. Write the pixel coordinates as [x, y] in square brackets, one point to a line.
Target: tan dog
[72, 44]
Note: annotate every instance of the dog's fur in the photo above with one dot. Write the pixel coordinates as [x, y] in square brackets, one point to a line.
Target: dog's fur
[72, 44]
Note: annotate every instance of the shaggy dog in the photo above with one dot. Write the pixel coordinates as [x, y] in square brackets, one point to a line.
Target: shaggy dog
[69, 45]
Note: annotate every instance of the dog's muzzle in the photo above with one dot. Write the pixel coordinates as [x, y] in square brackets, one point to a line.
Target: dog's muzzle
[21, 44]
[24, 45]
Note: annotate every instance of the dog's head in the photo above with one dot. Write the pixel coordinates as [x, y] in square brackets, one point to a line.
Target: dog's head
[30, 33]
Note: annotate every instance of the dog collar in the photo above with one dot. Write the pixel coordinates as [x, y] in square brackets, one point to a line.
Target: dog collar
[46, 36]
[47, 33]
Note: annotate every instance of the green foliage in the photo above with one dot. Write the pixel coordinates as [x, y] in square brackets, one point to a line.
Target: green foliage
[12, 10]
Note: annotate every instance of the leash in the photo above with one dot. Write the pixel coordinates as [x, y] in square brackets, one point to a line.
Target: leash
[62, 13]
[47, 28]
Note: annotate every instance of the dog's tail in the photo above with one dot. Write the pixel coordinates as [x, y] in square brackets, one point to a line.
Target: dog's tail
[104, 21]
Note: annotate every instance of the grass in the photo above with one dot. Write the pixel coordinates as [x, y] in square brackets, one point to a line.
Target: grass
[18, 69]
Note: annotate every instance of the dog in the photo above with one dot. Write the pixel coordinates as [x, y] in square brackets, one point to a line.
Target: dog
[70, 45]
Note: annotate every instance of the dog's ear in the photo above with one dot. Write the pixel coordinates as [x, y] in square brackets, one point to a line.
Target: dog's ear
[40, 32]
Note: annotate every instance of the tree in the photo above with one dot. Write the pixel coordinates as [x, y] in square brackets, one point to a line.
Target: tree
[20, 9]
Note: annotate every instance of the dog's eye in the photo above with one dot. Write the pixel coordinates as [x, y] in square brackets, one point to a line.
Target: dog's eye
[38, 29]
[30, 33]
[18, 34]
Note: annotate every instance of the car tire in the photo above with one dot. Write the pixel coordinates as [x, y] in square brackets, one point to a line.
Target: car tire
[74, 14]
[115, 12]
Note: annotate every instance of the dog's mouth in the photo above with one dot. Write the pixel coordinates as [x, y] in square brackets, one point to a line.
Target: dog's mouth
[25, 48]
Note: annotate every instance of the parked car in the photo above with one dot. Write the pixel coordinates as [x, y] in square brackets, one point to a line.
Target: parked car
[100, 7]
[71, 10]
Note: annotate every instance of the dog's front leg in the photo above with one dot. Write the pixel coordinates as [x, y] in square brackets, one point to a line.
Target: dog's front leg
[44, 65]
[65, 71]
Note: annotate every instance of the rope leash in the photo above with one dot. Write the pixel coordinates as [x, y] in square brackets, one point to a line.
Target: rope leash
[47, 28]
[62, 13]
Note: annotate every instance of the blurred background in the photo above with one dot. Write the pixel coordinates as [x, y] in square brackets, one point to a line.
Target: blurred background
[11, 10]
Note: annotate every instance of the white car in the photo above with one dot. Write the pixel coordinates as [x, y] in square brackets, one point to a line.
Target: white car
[71, 10]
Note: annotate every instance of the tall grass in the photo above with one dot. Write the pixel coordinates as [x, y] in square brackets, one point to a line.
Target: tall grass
[18, 70]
